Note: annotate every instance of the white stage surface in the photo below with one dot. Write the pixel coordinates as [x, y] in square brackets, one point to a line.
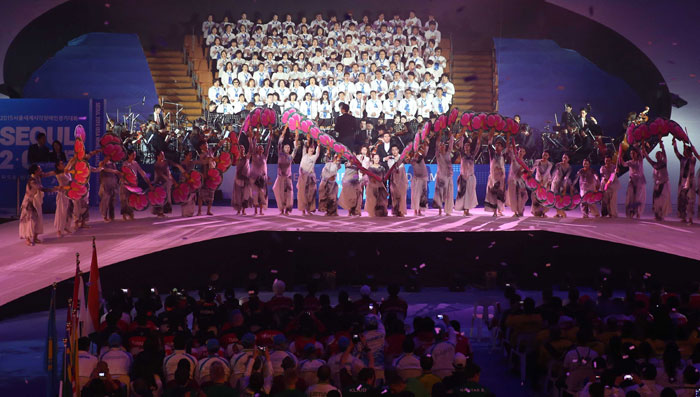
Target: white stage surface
[27, 269]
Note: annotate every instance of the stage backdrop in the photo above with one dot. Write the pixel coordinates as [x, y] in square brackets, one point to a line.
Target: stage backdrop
[20, 122]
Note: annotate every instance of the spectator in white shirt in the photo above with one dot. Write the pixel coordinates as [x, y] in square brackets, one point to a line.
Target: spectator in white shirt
[203, 373]
[171, 362]
[443, 351]
[323, 386]
[86, 361]
[118, 359]
[344, 359]
[308, 367]
[408, 364]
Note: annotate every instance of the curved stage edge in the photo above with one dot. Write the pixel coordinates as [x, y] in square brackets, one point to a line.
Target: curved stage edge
[436, 251]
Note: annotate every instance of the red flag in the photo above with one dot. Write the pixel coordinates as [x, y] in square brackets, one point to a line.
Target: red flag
[94, 292]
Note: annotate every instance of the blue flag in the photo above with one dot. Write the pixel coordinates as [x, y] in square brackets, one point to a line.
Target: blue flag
[50, 354]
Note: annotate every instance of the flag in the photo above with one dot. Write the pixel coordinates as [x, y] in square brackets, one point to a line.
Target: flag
[94, 293]
[84, 324]
[50, 354]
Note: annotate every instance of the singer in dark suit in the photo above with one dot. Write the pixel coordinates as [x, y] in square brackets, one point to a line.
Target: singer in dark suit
[345, 126]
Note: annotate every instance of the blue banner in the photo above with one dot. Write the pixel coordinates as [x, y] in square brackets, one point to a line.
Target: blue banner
[21, 120]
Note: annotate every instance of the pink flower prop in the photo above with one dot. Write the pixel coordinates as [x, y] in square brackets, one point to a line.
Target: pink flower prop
[157, 196]
[130, 176]
[531, 182]
[630, 134]
[81, 172]
[436, 126]
[416, 142]
[442, 120]
[246, 123]
[349, 156]
[677, 131]
[575, 201]
[549, 198]
[339, 148]
[109, 138]
[306, 125]
[406, 152]
[114, 152]
[454, 115]
[79, 132]
[79, 149]
[285, 115]
[559, 202]
[293, 122]
[255, 118]
[466, 120]
[640, 132]
[314, 132]
[180, 193]
[77, 191]
[214, 179]
[134, 189]
[501, 125]
[224, 161]
[491, 120]
[325, 140]
[426, 130]
[139, 202]
[541, 194]
[194, 179]
[268, 117]
[476, 123]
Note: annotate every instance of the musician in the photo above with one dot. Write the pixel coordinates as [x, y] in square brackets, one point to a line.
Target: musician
[384, 148]
[366, 135]
[568, 121]
[210, 113]
[345, 126]
[158, 117]
[584, 121]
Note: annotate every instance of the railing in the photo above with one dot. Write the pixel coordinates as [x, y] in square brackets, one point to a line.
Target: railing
[452, 59]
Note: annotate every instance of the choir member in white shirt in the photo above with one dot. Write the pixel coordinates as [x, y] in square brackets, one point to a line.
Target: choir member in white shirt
[379, 84]
[244, 21]
[208, 25]
[425, 104]
[347, 86]
[260, 75]
[216, 49]
[224, 107]
[216, 92]
[412, 20]
[408, 106]
[314, 89]
[274, 24]
[308, 108]
[428, 83]
[362, 85]
[373, 107]
[211, 37]
[390, 108]
[440, 103]
[325, 111]
[244, 75]
[357, 105]
[282, 90]
[228, 75]
[239, 104]
[235, 90]
[250, 90]
[433, 33]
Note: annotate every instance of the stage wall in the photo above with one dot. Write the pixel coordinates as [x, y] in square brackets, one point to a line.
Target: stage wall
[20, 122]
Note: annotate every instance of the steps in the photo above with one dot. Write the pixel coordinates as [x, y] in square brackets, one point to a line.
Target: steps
[472, 74]
[173, 84]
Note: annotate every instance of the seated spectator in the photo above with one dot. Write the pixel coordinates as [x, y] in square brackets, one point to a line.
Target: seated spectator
[218, 387]
[443, 351]
[464, 381]
[102, 384]
[407, 365]
[172, 362]
[309, 365]
[118, 359]
[239, 361]
[86, 361]
[182, 383]
[323, 386]
[204, 368]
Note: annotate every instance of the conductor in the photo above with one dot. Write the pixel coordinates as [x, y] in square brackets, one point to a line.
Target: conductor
[345, 126]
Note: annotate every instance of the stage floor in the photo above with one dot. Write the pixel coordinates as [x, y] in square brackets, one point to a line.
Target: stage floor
[27, 269]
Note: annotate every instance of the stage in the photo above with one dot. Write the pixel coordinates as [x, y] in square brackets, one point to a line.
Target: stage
[28, 269]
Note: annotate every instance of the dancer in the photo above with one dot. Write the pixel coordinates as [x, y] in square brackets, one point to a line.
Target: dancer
[188, 164]
[163, 177]
[561, 180]
[283, 188]
[241, 184]
[205, 162]
[306, 185]
[351, 195]
[495, 187]
[443, 196]
[377, 202]
[661, 196]
[258, 175]
[130, 165]
[587, 182]
[609, 184]
[636, 188]
[31, 223]
[686, 181]
[398, 183]
[328, 188]
[543, 175]
[516, 195]
[419, 182]
[466, 182]
[81, 206]
[64, 205]
[109, 188]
